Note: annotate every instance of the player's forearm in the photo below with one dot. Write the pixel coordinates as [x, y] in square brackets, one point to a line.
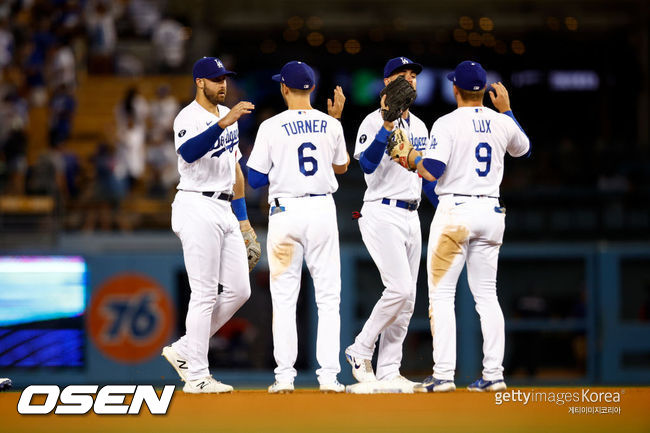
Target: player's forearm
[240, 184]
[428, 188]
[196, 147]
[430, 169]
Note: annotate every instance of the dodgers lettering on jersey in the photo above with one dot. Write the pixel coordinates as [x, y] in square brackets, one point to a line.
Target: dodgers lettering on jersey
[297, 148]
[214, 171]
[472, 142]
[227, 142]
[390, 180]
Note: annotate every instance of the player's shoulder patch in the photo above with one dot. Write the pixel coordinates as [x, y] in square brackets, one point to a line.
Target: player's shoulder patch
[363, 138]
[181, 132]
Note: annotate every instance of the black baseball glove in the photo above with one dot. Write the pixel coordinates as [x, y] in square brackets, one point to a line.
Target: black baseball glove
[399, 97]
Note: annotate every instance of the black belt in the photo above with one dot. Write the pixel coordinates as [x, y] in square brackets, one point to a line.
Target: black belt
[401, 204]
[221, 196]
[478, 196]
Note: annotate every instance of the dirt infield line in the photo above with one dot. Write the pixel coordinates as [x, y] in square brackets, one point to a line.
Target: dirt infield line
[310, 411]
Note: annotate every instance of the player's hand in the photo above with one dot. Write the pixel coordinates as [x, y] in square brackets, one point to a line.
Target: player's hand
[335, 108]
[388, 125]
[253, 248]
[499, 97]
[243, 107]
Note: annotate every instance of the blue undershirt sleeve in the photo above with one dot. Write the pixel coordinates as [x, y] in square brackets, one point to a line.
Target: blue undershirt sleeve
[370, 158]
[257, 179]
[428, 190]
[511, 115]
[435, 167]
[196, 147]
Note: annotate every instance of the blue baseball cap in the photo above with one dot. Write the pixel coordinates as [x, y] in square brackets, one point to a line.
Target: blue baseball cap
[468, 75]
[401, 63]
[297, 75]
[209, 67]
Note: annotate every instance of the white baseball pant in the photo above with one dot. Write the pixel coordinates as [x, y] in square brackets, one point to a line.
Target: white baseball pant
[393, 239]
[307, 228]
[465, 229]
[214, 253]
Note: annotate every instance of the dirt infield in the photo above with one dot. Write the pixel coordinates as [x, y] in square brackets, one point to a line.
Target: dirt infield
[311, 411]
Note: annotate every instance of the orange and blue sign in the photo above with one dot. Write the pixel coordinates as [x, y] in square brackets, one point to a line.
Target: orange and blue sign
[130, 318]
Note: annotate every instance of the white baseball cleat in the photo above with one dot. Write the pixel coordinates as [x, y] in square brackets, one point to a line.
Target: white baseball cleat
[281, 388]
[207, 385]
[179, 364]
[332, 387]
[5, 383]
[361, 368]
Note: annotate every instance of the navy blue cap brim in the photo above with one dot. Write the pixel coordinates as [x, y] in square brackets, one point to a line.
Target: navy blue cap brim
[415, 67]
[220, 74]
[277, 77]
[451, 76]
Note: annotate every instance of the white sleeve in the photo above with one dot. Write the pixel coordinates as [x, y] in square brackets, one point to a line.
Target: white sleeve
[440, 142]
[519, 144]
[183, 130]
[340, 151]
[260, 157]
[365, 136]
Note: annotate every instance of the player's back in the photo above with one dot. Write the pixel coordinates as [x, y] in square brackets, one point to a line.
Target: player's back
[472, 142]
[297, 149]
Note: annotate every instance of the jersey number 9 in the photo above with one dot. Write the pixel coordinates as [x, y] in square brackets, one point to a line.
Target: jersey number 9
[302, 159]
[484, 155]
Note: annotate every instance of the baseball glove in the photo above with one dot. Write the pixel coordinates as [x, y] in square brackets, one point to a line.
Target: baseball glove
[253, 248]
[399, 97]
[399, 148]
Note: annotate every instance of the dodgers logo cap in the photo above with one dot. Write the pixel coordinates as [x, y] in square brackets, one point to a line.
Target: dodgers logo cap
[468, 75]
[400, 63]
[297, 75]
[209, 67]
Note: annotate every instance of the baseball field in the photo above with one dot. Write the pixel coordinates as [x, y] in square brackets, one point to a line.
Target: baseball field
[310, 411]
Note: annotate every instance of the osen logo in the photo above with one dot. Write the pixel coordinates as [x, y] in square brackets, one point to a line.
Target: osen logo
[80, 399]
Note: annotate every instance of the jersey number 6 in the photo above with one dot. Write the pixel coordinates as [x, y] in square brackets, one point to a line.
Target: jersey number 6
[302, 159]
[484, 155]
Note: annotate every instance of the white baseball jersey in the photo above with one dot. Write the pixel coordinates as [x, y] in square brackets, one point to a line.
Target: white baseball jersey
[213, 247]
[214, 171]
[297, 148]
[404, 185]
[472, 141]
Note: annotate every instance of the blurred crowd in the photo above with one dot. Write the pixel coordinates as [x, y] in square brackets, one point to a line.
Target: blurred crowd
[45, 45]
[580, 181]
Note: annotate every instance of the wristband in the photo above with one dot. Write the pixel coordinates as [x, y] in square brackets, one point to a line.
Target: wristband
[417, 160]
[239, 208]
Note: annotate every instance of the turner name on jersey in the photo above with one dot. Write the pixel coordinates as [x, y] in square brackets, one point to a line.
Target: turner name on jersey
[305, 127]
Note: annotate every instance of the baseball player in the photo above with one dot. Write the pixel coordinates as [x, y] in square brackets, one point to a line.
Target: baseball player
[214, 235]
[297, 153]
[466, 155]
[390, 228]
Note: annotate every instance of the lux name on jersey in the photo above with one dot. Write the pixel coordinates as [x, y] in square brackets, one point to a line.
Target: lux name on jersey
[482, 126]
[226, 141]
[305, 127]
